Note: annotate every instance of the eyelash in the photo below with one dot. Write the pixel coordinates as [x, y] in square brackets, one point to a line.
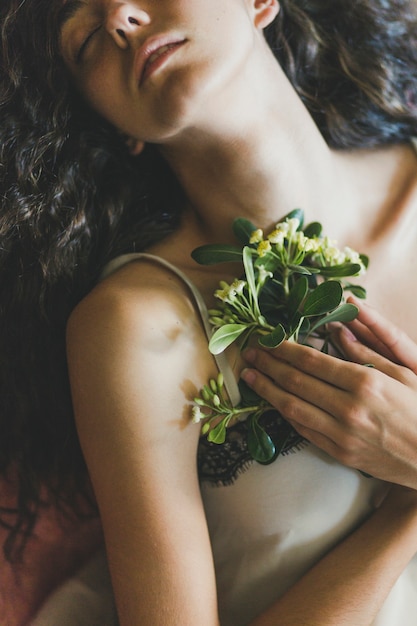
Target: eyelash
[85, 43]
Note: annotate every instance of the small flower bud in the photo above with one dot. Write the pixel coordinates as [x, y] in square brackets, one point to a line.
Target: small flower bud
[220, 381]
[216, 321]
[196, 415]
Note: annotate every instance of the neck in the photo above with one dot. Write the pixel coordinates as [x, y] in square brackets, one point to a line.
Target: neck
[259, 158]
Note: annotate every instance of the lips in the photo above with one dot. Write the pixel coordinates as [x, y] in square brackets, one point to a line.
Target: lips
[153, 54]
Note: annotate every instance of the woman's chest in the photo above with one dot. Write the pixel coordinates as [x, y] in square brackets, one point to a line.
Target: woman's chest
[391, 281]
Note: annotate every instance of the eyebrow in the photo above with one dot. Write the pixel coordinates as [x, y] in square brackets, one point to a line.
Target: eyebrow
[68, 11]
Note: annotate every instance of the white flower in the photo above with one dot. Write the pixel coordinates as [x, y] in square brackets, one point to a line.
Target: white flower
[312, 245]
[333, 256]
[224, 292]
[197, 415]
[293, 225]
[331, 253]
[228, 293]
[263, 248]
[256, 236]
[238, 286]
[277, 237]
[300, 239]
[352, 256]
[263, 274]
[283, 227]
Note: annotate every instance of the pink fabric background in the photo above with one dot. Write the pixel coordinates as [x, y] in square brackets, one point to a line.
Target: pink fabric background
[57, 549]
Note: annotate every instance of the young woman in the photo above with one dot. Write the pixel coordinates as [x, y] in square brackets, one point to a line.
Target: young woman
[147, 126]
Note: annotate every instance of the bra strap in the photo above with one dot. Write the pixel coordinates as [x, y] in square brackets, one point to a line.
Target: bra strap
[221, 360]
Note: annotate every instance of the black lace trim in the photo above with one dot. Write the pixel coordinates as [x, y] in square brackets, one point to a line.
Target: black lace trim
[222, 464]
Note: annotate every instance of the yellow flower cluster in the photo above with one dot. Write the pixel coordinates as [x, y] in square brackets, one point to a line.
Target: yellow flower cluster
[228, 293]
[287, 237]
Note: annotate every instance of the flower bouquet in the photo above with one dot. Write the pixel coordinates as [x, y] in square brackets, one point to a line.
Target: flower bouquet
[291, 288]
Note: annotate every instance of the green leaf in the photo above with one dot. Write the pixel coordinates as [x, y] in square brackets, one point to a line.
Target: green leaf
[273, 339]
[285, 431]
[212, 254]
[297, 295]
[324, 298]
[344, 313]
[225, 336]
[301, 269]
[269, 262]
[295, 322]
[260, 445]
[313, 229]
[356, 290]
[365, 260]
[250, 272]
[339, 271]
[248, 396]
[218, 433]
[243, 229]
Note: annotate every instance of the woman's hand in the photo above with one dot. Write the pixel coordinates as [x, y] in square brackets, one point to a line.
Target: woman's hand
[365, 417]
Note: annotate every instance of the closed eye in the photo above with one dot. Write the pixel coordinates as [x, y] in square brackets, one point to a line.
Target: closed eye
[84, 45]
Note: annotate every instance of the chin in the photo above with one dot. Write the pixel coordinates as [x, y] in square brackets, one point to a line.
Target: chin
[180, 103]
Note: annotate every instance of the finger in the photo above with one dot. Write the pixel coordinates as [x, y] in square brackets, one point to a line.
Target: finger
[367, 337]
[396, 340]
[336, 372]
[356, 351]
[283, 383]
[313, 424]
[302, 384]
[322, 441]
[301, 414]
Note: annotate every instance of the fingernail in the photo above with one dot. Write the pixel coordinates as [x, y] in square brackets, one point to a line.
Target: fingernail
[249, 376]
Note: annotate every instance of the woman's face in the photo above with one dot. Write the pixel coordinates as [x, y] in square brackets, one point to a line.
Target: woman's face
[149, 66]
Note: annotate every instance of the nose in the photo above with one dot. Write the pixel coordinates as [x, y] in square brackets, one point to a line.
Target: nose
[124, 19]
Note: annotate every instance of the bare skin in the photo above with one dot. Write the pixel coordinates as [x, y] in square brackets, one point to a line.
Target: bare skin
[137, 353]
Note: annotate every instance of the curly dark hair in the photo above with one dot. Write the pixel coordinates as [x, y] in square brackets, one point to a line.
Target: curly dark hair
[72, 198]
[354, 66]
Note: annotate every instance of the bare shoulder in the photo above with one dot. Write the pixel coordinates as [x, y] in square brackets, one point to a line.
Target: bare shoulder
[137, 348]
[141, 298]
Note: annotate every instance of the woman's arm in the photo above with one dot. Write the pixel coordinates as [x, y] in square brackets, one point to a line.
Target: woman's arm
[365, 417]
[348, 586]
[136, 358]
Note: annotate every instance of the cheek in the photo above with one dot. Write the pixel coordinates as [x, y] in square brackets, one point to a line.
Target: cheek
[103, 91]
